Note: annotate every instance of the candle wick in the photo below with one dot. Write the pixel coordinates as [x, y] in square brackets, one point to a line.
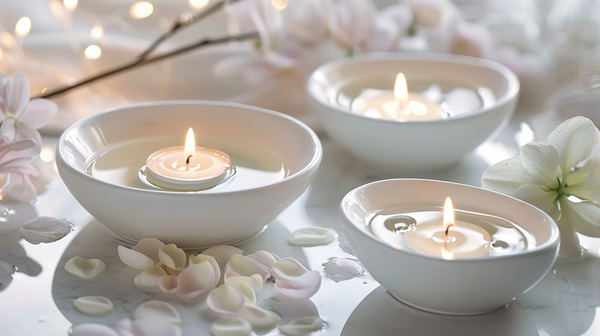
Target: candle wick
[448, 230]
[187, 161]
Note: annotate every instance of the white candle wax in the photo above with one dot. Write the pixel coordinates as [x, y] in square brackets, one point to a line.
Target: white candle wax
[187, 167]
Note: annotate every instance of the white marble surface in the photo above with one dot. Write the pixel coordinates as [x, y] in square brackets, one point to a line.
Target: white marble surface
[39, 299]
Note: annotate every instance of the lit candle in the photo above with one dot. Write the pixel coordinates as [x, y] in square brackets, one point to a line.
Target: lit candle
[187, 168]
[448, 238]
[399, 104]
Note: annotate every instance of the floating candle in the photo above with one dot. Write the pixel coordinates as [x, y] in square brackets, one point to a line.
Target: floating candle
[187, 168]
[399, 104]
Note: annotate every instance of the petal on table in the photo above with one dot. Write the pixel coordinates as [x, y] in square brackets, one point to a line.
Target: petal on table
[243, 266]
[92, 329]
[196, 259]
[45, 229]
[38, 113]
[264, 257]
[505, 176]
[288, 268]
[157, 309]
[84, 269]
[134, 259]
[538, 197]
[574, 140]
[301, 287]
[231, 327]
[148, 326]
[17, 95]
[150, 278]
[312, 236]
[254, 281]
[259, 318]
[94, 305]
[172, 257]
[245, 289]
[149, 247]
[168, 283]
[226, 300]
[196, 280]
[222, 253]
[301, 326]
[540, 162]
[584, 217]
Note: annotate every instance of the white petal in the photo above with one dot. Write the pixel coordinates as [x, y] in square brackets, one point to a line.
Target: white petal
[94, 305]
[540, 198]
[505, 176]
[196, 280]
[168, 283]
[222, 253]
[172, 257]
[45, 229]
[196, 259]
[340, 269]
[38, 113]
[17, 95]
[288, 268]
[584, 217]
[92, 329]
[259, 318]
[84, 269]
[150, 278]
[574, 140]
[540, 162]
[231, 327]
[400, 13]
[243, 266]
[254, 281]
[157, 309]
[352, 21]
[245, 289]
[471, 39]
[149, 247]
[311, 236]
[148, 326]
[301, 287]
[264, 257]
[134, 259]
[301, 326]
[8, 130]
[290, 309]
[226, 300]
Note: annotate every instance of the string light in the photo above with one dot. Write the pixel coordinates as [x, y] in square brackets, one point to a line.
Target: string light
[197, 4]
[92, 52]
[23, 27]
[70, 5]
[1, 54]
[280, 4]
[140, 10]
[47, 154]
[97, 32]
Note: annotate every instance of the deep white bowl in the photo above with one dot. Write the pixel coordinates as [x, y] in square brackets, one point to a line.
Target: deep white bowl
[463, 286]
[413, 145]
[190, 220]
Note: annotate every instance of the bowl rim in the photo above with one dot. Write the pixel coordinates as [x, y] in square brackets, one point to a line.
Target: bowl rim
[314, 161]
[553, 239]
[511, 93]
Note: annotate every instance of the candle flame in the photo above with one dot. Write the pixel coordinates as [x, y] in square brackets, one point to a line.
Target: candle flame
[447, 254]
[448, 216]
[23, 27]
[400, 88]
[190, 144]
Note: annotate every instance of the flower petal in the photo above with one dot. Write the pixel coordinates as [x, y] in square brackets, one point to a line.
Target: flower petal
[312, 236]
[222, 253]
[231, 327]
[264, 257]
[240, 265]
[584, 216]
[225, 300]
[84, 269]
[341, 269]
[149, 280]
[536, 196]
[259, 318]
[147, 326]
[196, 280]
[157, 309]
[93, 305]
[92, 329]
[38, 113]
[254, 281]
[134, 259]
[505, 176]
[149, 247]
[167, 283]
[245, 289]
[301, 326]
[45, 229]
[574, 140]
[8, 130]
[540, 162]
[172, 257]
[301, 287]
[17, 95]
[196, 259]
[287, 269]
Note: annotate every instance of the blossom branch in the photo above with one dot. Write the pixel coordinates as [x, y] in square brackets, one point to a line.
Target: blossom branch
[137, 63]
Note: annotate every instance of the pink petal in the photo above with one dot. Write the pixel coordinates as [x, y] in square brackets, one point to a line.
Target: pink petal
[226, 300]
[38, 113]
[26, 132]
[240, 265]
[301, 287]
[92, 329]
[168, 284]
[8, 130]
[17, 95]
[196, 280]
[147, 326]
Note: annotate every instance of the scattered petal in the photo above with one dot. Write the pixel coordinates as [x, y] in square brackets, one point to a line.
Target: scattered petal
[134, 259]
[168, 284]
[246, 290]
[312, 236]
[149, 279]
[301, 287]
[341, 269]
[92, 329]
[222, 253]
[156, 308]
[240, 265]
[149, 247]
[94, 305]
[254, 281]
[45, 229]
[84, 269]
[264, 257]
[301, 326]
[226, 300]
[288, 268]
[259, 318]
[147, 326]
[193, 281]
[231, 327]
[196, 259]
[290, 310]
[172, 257]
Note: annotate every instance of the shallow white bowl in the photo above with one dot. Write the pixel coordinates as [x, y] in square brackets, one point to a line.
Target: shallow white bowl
[463, 286]
[189, 220]
[412, 145]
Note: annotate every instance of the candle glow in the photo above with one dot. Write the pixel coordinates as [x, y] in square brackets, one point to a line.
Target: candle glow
[190, 144]
[401, 90]
[198, 4]
[23, 27]
[92, 52]
[97, 32]
[280, 4]
[141, 10]
[70, 5]
[448, 216]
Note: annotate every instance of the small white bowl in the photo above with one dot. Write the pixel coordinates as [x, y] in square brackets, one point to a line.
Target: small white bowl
[413, 145]
[465, 286]
[188, 219]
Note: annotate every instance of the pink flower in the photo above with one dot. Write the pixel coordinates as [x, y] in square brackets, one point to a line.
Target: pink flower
[16, 169]
[352, 22]
[471, 39]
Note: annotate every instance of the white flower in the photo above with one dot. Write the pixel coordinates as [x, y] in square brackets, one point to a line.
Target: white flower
[307, 20]
[400, 13]
[432, 13]
[352, 22]
[471, 39]
[561, 177]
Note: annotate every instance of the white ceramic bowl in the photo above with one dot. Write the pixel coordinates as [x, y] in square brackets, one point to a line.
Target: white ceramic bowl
[413, 145]
[189, 220]
[463, 286]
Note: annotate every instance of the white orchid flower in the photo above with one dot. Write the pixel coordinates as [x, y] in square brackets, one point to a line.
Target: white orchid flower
[561, 177]
[471, 39]
[307, 21]
[352, 22]
[20, 117]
